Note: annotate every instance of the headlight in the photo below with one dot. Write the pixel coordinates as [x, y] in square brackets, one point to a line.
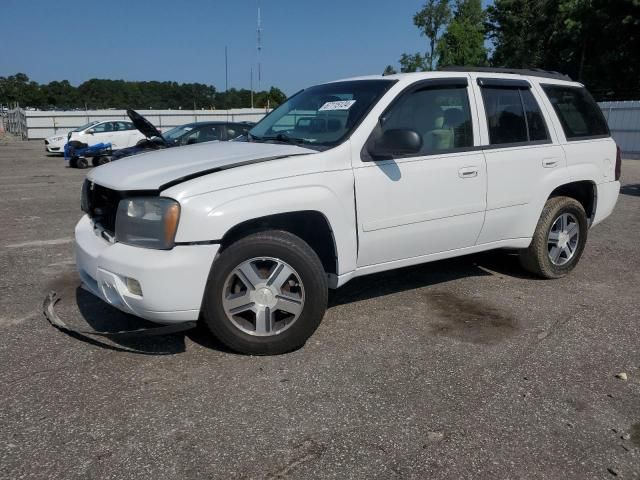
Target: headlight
[149, 222]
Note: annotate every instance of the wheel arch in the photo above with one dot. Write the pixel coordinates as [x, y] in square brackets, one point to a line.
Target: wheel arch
[312, 226]
[584, 191]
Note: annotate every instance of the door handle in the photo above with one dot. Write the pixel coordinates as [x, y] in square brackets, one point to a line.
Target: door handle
[550, 162]
[468, 172]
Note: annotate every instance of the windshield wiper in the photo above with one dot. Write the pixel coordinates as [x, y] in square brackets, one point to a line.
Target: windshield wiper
[281, 137]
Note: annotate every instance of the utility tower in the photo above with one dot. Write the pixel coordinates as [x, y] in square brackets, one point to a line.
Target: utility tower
[259, 46]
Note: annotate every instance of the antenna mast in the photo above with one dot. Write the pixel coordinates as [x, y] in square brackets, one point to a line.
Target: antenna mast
[259, 45]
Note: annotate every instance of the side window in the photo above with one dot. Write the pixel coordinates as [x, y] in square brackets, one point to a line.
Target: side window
[535, 120]
[440, 115]
[122, 126]
[232, 132]
[579, 114]
[513, 115]
[103, 127]
[203, 134]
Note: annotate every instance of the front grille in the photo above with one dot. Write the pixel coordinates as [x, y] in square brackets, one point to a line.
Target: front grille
[101, 204]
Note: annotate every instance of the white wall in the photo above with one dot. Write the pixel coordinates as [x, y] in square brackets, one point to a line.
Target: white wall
[43, 124]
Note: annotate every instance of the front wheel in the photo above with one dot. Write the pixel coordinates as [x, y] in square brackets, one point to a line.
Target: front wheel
[266, 294]
[559, 239]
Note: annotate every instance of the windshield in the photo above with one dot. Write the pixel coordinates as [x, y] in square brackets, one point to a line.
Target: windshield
[79, 129]
[323, 115]
[176, 132]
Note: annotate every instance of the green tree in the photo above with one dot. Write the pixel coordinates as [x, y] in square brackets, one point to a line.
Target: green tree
[520, 30]
[389, 70]
[463, 42]
[594, 41]
[432, 20]
[412, 63]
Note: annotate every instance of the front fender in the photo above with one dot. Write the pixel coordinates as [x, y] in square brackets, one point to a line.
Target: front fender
[209, 216]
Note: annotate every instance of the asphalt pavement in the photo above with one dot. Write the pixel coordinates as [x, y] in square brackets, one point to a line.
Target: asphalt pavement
[465, 368]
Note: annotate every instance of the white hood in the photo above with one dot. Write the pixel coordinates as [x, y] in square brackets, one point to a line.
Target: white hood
[153, 170]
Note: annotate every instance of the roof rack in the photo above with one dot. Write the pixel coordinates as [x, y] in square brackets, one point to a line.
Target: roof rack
[533, 72]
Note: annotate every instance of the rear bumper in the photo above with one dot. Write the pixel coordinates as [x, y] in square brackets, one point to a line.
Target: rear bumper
[172, 281]
[607, 197]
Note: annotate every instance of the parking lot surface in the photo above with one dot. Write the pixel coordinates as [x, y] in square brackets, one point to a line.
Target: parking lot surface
[465, 368]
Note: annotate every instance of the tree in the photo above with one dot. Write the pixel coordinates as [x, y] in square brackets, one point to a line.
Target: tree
[463, 42]
[101, 93]
[412, 63]
[389, 70]
[518, 29]
[594, 41]
[432, 20]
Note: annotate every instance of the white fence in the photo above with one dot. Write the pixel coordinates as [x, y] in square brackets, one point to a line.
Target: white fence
[623, 119]
[35, 124]
[624, 122]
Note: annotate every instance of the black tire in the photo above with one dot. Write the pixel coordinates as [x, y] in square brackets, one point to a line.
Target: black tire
[73, 162]
[296, 253]
[535, 259]
[97, 161]
[82, 162]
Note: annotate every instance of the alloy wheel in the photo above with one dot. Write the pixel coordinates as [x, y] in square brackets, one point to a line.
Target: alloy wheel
[263, 296]
[563, 239]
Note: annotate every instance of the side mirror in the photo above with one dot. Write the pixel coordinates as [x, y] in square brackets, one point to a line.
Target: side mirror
[91, 131]
[396, 142]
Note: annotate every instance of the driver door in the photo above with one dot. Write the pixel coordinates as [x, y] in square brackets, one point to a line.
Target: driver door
[427, 202]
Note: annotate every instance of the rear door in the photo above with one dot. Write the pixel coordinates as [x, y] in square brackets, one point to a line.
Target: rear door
[522, 155]
[590, 150]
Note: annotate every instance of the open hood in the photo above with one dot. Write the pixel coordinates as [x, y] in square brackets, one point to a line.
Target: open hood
[160, 169]
[143, 125]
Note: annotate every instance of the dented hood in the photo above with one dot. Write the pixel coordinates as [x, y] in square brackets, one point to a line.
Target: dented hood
[161, 169]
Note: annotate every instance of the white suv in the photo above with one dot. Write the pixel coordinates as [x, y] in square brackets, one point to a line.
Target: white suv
[342, 180]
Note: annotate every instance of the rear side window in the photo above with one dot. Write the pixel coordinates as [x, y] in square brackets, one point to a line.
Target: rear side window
[513, 116]
[579, 114]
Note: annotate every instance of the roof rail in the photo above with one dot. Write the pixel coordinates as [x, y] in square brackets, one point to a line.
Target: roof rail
[533, 72]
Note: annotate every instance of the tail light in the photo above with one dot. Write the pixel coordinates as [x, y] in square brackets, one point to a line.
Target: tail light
[618, 162]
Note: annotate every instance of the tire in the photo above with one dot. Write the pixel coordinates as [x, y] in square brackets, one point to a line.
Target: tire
[73, 162]
[555, 251]
[82, 162]
[273, 251]
[97, 161]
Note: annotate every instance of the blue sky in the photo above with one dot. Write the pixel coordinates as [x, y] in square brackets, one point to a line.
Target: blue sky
[304, 42]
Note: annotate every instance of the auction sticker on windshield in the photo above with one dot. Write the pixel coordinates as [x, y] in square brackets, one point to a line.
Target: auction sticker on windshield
[339, 105]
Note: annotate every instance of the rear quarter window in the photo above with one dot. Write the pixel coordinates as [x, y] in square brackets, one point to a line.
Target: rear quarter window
[579, 114]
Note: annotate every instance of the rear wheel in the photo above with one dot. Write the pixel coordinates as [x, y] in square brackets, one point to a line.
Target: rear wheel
[559, 239]
[82, 162]
[266, 294]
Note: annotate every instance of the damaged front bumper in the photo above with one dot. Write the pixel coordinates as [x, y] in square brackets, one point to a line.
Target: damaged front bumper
[52, 299]
[169, 284]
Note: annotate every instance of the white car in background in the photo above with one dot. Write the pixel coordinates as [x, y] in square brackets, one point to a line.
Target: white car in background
[119, 133]
[56, 143]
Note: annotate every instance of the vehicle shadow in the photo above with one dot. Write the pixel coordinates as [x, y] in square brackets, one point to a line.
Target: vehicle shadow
[632, 189]
[100, 316]
[499, 262]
